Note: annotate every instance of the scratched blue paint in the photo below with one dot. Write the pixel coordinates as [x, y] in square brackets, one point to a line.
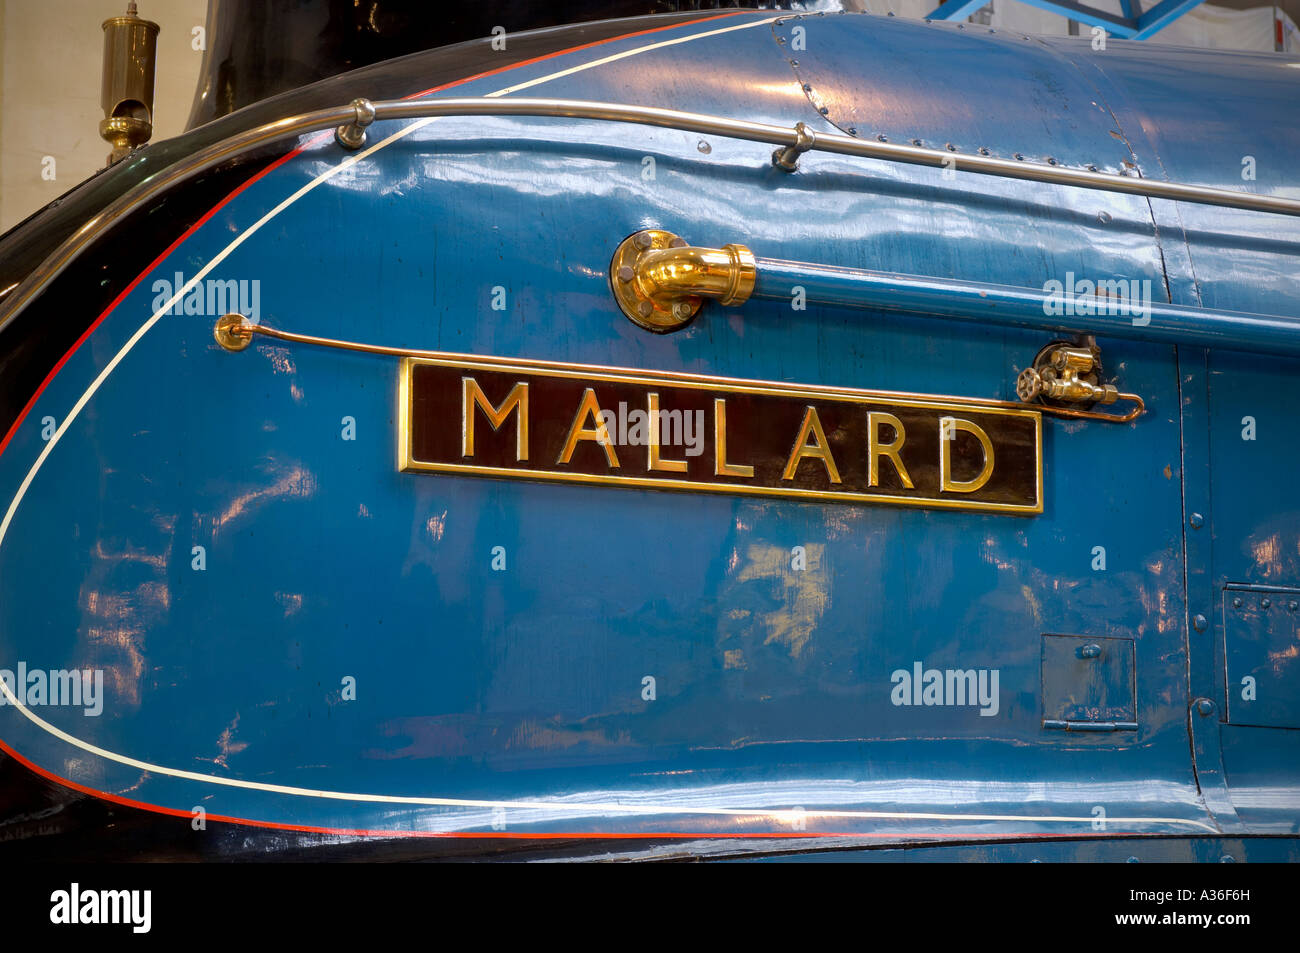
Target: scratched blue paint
[773, 686]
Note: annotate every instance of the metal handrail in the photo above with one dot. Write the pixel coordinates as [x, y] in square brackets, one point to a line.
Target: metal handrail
[350, 122]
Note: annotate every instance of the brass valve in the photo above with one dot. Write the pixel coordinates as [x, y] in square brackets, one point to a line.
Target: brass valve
[1066, 373]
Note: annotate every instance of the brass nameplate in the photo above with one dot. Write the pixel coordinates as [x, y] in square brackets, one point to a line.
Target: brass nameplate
[575, 424]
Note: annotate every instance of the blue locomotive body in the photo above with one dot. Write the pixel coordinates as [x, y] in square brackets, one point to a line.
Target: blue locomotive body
[281, 624]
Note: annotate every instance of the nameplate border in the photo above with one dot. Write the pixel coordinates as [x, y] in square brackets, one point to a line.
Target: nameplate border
[406, 463]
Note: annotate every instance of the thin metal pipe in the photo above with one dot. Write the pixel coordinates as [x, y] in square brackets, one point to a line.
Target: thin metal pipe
[361, 113]
[154, 186]
[982, 303]
[243, 330]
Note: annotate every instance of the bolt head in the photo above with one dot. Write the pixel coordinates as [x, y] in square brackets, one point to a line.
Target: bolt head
[625, 273]
[643, 240]
[1204, 707]
[645, 308]
[1197, 520]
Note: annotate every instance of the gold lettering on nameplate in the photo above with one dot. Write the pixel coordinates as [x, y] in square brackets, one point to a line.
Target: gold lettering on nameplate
[813, 443]
[472, 396]
[721, 467]
[820, 449]
[589, 408]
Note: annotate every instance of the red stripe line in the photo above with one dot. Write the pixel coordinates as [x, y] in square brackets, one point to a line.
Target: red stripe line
[575, 49]
[157, 809]
[535, 835]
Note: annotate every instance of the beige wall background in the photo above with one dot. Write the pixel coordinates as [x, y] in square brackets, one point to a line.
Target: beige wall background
[51, 54]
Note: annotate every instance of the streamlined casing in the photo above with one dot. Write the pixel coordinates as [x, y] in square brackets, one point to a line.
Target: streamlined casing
[497, 634]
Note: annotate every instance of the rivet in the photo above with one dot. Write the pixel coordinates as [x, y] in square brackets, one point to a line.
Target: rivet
[1051, 161]
[1204, 707]
[704, 147]
[916, 142]
[824, 111]
[1293, 605]
[1018, 157]
[794, 62]
[807, 87]
[1236, 603]
[984, 150]
[882, 137]
[1199, 622]
[1266, 603]
[625, 273]
[1197, 520]
[950, 147]
[1132, 860]
[1227, 859]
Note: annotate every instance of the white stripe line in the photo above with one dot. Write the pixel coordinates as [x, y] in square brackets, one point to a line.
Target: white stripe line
[578, 807]
[604, 807]
[323, 177]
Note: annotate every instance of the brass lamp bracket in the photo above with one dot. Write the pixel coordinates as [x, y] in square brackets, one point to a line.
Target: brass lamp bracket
[659, 281]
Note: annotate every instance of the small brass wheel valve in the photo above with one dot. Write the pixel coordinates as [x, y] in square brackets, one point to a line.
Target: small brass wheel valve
[1066, 377]
[660, 282]
[1066, 374]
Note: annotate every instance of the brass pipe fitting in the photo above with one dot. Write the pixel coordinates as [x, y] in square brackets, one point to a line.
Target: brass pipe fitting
[1066, 374]
[660, 282]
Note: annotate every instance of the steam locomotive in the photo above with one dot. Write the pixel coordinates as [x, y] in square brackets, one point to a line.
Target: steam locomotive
[731, 433]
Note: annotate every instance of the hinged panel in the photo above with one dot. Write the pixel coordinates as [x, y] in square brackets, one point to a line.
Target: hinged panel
[1089, 684]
